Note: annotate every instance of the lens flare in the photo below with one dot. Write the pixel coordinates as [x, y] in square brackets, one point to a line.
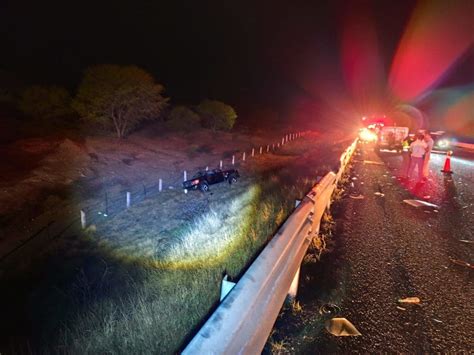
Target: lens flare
[438, 34]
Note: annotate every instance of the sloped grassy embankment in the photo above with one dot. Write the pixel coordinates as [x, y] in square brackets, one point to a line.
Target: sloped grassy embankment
[91, 297]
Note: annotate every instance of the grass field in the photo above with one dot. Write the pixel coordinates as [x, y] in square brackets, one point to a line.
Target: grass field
[144, 288]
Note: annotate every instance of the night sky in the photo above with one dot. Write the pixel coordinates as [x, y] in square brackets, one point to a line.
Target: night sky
[234, 51]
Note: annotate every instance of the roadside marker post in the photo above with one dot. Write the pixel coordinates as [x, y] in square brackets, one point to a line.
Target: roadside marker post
[160, 185]
[220, 164]
[185, 178]
[260, 150]
[243, 156]
[83, 219]
[207, 168]
[253, 152]
[233, 160]
[283, 141]
[128, 199]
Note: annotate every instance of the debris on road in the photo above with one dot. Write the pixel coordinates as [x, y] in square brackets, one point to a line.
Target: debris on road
[419, 203]
[466, 241]
[462, 263]
[341, 327]
[379, 194]
[354, 178]
[414, 300]
[329, 309]
[401, 308]
[437, 320]
[371, 162]
[357, 197]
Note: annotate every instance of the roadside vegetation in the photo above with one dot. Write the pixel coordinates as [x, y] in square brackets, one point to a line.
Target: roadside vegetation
[91, 292]
[100, 297]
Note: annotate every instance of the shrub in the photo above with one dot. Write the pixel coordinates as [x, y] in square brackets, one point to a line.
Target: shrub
[182, 118]
[45, 101]
[217, 115]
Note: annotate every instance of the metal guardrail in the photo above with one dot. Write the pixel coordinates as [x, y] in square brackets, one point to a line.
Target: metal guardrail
[243, 321]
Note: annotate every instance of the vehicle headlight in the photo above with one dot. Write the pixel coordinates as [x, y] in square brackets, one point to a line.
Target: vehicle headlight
[367, 135]
[443, 143]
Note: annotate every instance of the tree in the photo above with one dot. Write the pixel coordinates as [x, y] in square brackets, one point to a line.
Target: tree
[182, 118]
[45, 102]
[119, 97]
[217, 115]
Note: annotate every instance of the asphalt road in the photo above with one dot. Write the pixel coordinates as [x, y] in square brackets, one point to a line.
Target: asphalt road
[385, 250]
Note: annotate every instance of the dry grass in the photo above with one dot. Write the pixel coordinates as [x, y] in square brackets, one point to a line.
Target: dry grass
[148, 294]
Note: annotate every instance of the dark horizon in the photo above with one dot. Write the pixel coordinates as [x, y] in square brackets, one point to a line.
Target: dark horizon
[246, 54]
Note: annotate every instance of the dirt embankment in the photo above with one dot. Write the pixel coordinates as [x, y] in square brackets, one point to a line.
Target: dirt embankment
[46, 178]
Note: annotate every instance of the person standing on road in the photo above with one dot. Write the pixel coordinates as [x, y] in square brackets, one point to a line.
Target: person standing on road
[426, 162]
[405, 157]
[418, 150]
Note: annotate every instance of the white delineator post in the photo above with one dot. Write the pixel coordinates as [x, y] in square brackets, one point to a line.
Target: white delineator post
[243, 156]
[128, 199]
[220, 164]
[253, 151]
[160, 185]
[283, 141]
[83, 219]
[261, 150]
[207, 168]
[268, 148]
[185, 177]
[233, 160]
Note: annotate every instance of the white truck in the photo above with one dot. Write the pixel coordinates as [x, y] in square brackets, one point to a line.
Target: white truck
[391, 138]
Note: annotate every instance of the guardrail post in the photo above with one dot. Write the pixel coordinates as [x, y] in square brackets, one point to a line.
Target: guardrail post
[83, 220]
[294, 285]
[160, 185]
[128, 199]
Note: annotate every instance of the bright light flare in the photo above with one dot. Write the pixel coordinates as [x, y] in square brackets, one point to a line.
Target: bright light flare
[367, 135]
[438, 33]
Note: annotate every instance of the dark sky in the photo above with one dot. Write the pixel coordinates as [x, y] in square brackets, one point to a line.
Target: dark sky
[229, 50]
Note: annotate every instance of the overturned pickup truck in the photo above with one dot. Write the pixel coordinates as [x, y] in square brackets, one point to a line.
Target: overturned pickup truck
[203, 179]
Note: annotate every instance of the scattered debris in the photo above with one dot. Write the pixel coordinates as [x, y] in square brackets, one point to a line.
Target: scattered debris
[354, 178]
[341, 327]
[419, 203]
[379, 194]
[352, 184]
[371, 162]
[329, 309]
[414, 300]
[461, 263]
[357, 197]
[466, 241]
[427, 197]
[401, 308]
[437, 320]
